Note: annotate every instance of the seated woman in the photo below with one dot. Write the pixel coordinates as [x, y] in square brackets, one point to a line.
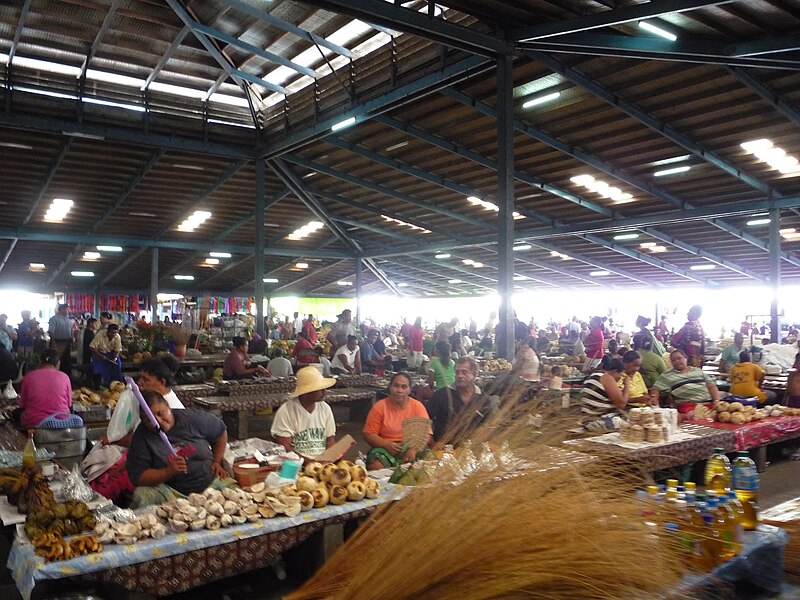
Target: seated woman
[45, 391]
[684, 387]
[442, 367]
[199, 440]
[237, 364]
[602, 401]
[637, 390]
[383, 430]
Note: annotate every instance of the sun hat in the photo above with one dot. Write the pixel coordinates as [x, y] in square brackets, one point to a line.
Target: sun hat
[311, 380]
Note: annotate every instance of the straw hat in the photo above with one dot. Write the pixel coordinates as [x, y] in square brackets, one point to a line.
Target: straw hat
[310, 379]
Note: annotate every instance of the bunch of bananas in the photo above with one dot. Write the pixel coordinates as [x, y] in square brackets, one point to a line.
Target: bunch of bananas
[30, 491]
[53, 546]
[68, 518]
[8, 478]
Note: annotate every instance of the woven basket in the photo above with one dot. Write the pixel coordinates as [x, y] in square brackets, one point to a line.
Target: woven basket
[248, 472]
[415, 432]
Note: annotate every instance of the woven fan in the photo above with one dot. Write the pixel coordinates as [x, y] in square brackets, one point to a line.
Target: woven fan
[415, 432]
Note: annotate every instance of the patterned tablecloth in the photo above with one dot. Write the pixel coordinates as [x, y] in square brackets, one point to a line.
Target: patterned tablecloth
[187, 393]
[759, 433]
[261, 401]
[655, 457]
[182, 561]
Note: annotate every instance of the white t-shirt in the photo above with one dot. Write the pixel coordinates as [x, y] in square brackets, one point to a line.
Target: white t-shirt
[349, 354]
[308, 430]
[298, 325]
[279, 367]
[125, 418]
[326, 366]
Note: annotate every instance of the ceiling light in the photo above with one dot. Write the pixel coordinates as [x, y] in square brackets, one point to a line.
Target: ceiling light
[755, 222]
[445, 255]
[344, 283]
[601, 273]
[757, 145]
[404, 224]
[309, 175]
[58, 209]
[82, 274]
[658, 249]
[37, 266]
[791, 236]
[91, 255]
[194, 220]
[109, 248]
[703, 267]
[672, 171]
[602, 188]
[396, 147]
[269, 280]
[220, 254]
[189, 167]
[454, 281]
[520, 278]
[521, 247]
[301, 265]
[402, 284]
[788, 230]
[626, 236]
[468, 261]
[212, 261]
[184, 277]
[541, 99]
[478, 265]
[669, 161]
[775, 157]
[483, 204]
[16, 146]
[647, 26]
[555, 253]
[343, 124]
[305, 230]
[647, 244]
[142, 214]
[517, 216]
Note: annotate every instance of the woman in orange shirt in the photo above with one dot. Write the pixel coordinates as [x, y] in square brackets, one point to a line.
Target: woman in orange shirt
[383, 430]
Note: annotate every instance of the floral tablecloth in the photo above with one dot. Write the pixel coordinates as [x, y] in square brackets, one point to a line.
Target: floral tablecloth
[759, 433]
[182, 561]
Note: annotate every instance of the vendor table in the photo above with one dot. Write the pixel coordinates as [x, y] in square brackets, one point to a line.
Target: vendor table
[698, 444]
[236, 409]
[188, 392]
[183, 561]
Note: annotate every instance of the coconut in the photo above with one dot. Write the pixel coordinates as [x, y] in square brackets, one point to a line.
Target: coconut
[320, 497]
[356, 490]
[178, 526]
[230, 507]
[212, 522]
[345, 464]
[198, 524]
[327, 470]
[226, 520]
[338, 495]
[313, 469]
[340, 476]
[306, 500]
[214, 508]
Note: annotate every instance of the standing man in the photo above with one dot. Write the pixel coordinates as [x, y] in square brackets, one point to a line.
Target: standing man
[106, 347]
[84, 341]
[342, 329]
[26, 333]
[297, 323]
[730, 356]
[7, 334]
[60, 329]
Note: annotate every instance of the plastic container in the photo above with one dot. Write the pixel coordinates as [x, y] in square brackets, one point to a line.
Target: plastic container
[249, 473]
[718, 471]
[746, 484]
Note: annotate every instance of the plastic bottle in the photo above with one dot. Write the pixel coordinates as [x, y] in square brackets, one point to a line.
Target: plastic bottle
[745, 484]
[29, 453]
[738, 511]
[690, 486]
[711, 545]
[672, 484]
[718, 471]
[731, 543]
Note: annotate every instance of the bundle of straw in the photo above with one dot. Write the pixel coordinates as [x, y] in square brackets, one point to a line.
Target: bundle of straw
[791, 560]
[559, 529]
[178, 334]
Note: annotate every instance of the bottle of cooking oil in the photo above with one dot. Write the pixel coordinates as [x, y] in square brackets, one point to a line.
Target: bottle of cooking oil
[738, 511]
[745, 484]
[731, 545]
[711, 544]
[29, 452]
[718, 471]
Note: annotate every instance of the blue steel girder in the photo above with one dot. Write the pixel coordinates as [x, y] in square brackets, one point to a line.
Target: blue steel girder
[293, 182]
[289, 27]
[238, 76]
[302, 278]
[382, 277]
[766, 45]
[110, 14]
[565, 272]
[651, 48]
[381, 189]
[7, 255]
[396, 17]
[609, 18]
[399, 96]
[425, 282]
[51, 172]
[438, 273]
[772, 98]
[167, 55]
[23, 14]
[120, 200]
[410, 169]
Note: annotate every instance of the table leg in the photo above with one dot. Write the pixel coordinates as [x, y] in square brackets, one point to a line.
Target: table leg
[231, 419]
[759, 455]
[244, 424]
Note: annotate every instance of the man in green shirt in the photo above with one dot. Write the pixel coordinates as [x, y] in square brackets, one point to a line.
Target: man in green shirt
[730, 355]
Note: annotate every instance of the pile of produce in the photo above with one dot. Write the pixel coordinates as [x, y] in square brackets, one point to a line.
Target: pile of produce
[496, 364]
[53, 547]
[89, 397]
[146, 526]
[140, 356]
[336, 483]
[68, 518]
[738, 413]
[27, 490]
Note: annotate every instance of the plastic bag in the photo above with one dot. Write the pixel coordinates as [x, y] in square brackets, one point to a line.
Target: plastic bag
[76, 488]
[9, 393]
[125, 417]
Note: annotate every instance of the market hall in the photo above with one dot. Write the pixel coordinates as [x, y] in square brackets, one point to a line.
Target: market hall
[216, 183]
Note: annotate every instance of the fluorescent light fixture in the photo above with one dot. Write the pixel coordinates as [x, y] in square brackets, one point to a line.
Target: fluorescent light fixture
[658, 249]
[402, 284]
[404, 224]
[396, 147]
[626, 236]
[669, 161]
[343, 283]
[443, 255]
[557, 254]
[309, 175]
[37, 266]
[82, 274]
[775, 157]
[58, 209]
[212, 261]
[647, 244]
[142, 214]
[647, 26]
[755, 222]
[602, 188]
[109, 248]
[301, 265]
[521, 247]
[305, 230]
[541, 99]
[703, 267]
[269, 280]
[16, 146]
[478, 265]
[91, 255]
[454, 281]
[194, 220]
[188, 167]
[791, 236]
[184, 277]
[220, 254]
[343, 124]
[520, 278]
[601, 273]
[672, 171]
[789, 230]
[468, 261]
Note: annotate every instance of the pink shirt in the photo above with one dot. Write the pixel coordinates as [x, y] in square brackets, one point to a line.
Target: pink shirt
[415, 342]
[44, 392]
[235, 364]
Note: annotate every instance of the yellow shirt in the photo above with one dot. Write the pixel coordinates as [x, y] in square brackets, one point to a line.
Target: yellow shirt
[745, 378]
[636, 388]
[104, 345]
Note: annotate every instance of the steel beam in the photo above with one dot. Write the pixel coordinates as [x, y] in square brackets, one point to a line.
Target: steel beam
[260, 244]
[396, 17]
[7, 255]
[505, 202]
[378, 272]
[766, 45]
[609, 18]
[774, 272]
[23, 14]
[110, 14]
[48, 179]
[167, 55]
[309, 275]
[399, 96]
[769, 96]
[438, 273]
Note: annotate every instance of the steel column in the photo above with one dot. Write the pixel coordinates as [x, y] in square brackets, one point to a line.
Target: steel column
[153, 284]
[261, 238]
[359, 278]
[774, 272]
[505, 201]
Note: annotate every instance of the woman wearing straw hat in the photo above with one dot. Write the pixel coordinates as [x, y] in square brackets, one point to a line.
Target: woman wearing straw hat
[305, 423]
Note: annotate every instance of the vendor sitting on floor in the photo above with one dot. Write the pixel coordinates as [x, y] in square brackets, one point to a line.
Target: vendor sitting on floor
[199, 440]
[683, 387]
[383, 430]
[305, 423]
[747, 379]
